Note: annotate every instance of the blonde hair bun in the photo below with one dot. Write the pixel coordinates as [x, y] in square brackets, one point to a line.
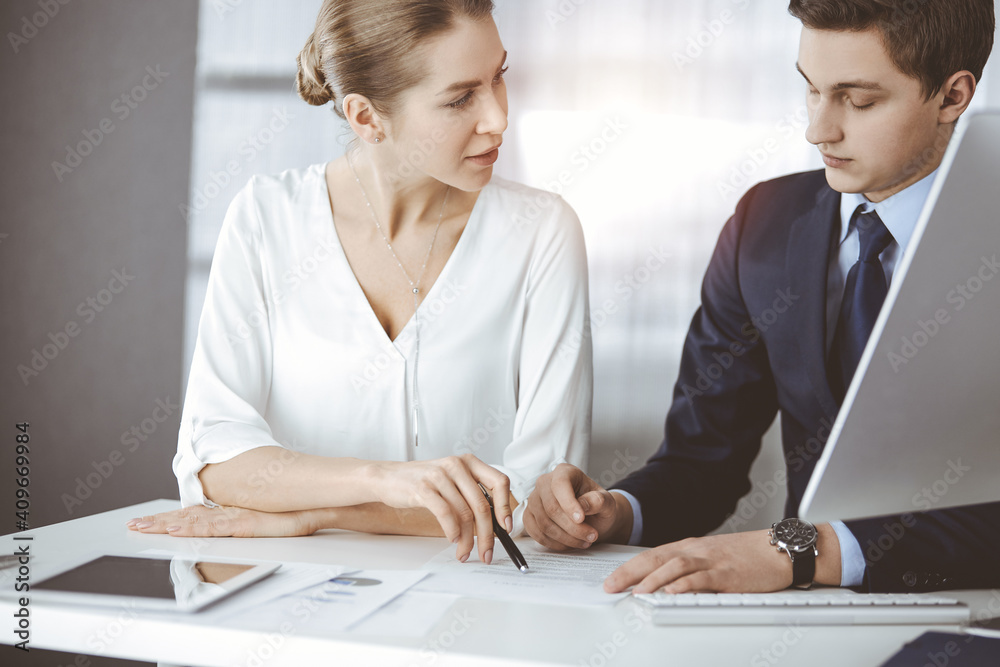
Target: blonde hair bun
[368, 47]
[310, 80]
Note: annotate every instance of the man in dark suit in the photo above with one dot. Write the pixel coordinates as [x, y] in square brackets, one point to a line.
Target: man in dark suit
[788, 302]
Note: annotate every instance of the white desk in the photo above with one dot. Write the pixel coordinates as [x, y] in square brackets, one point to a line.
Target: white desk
[501, 632]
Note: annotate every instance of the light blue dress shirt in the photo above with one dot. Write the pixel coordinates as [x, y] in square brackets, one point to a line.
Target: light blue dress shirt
[900, 213]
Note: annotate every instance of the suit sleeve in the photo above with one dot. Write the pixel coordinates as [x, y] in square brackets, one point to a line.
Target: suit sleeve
[937, 550]
[724, 401]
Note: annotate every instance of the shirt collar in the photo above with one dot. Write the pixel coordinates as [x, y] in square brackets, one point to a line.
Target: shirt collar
[899, 212]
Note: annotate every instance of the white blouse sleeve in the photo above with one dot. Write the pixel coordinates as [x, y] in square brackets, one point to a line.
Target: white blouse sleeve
[230, 379]
[555, 373]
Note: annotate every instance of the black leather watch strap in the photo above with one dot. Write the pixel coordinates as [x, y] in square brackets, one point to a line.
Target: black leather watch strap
[803, 568]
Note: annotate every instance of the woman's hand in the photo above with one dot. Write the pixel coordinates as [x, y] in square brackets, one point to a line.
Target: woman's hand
[202, 521]
[448, 488]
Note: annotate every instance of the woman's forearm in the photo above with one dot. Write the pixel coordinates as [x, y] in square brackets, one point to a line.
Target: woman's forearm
[378, 519]
[274, 479]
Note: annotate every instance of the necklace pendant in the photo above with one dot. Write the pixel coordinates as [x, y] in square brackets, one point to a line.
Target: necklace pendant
[416, 290]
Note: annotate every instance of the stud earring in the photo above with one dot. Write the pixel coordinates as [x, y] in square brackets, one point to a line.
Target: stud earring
[378, 140]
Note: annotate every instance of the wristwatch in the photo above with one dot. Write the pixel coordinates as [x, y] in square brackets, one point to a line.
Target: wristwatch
[797, 538]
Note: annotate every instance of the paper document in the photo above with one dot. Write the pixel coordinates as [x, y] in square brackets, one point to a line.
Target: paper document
[312, 599]
[412, 614]
[552, 578]
[333, 606]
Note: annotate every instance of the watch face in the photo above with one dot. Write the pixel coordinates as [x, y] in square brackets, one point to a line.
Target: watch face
[795, 534]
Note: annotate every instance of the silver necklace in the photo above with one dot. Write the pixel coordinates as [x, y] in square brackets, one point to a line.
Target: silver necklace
[414, 288]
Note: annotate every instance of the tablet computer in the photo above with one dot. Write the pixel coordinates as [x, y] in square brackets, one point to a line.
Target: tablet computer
[181, 583]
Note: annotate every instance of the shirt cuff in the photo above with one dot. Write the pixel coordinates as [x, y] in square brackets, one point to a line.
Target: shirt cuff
[635, 538]
[852, 561]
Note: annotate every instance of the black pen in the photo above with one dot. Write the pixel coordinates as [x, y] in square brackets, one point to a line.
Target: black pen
[508, 544]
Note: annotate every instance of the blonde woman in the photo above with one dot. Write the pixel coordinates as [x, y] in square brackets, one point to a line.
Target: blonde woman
[385, 332]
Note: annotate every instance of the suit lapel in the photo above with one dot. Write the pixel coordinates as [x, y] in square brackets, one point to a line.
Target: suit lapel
[807, 262]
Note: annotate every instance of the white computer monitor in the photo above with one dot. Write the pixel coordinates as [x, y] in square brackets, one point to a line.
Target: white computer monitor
[920, 424]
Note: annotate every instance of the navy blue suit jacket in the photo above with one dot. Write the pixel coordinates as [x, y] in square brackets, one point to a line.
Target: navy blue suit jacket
[758, 345]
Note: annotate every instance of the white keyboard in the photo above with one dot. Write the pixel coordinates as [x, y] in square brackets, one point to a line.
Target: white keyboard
[823, 607]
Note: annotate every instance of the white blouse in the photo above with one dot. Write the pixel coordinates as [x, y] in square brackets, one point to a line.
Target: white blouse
[290, 353]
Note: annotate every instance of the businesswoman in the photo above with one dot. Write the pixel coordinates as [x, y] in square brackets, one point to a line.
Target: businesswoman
[386, 331]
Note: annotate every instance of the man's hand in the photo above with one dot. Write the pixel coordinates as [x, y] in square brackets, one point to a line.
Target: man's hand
[737, 563]
[568, 510]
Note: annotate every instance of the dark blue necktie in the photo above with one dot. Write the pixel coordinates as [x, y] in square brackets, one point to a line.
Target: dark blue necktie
[863, 297]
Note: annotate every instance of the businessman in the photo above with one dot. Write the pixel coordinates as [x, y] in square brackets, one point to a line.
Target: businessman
[789, 299]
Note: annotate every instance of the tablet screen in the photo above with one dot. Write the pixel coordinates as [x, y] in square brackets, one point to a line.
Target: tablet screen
[139, 577]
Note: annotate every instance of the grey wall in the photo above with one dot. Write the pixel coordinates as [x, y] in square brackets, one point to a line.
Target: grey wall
[991, 77]
[62, 237]
[68, 231]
